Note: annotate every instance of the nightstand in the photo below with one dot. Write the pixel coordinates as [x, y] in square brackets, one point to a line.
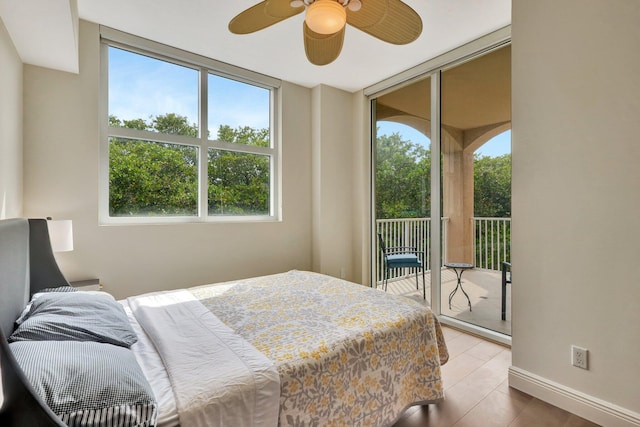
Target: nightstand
[87, 285]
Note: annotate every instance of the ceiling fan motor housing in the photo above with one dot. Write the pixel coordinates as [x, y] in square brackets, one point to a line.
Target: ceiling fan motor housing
[353, 5]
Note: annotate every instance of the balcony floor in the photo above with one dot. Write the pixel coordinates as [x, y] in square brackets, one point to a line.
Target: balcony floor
[483, 288]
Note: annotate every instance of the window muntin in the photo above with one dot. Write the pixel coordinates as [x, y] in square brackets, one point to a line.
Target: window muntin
[154, 142]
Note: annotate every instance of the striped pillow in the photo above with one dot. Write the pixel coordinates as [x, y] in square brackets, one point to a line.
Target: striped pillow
[35, 296]
[75, 316]
[88, 383]
[63, 288]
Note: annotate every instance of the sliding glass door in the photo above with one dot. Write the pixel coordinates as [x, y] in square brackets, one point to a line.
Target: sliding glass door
[469, 102]
[476, 189]
[402, 180]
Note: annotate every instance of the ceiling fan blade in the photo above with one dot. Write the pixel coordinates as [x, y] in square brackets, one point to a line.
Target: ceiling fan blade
[256, 18]
[322, 49]
[282, 9]
[371, 12]
[397, 23]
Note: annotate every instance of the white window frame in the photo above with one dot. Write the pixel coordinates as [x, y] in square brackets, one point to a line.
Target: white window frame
[205, 66]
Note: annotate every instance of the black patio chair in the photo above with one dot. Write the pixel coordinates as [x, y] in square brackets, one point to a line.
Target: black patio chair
[402, 257]
[506, 278]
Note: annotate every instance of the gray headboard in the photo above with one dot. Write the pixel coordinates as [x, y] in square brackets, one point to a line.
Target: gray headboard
[14, 271]
[26, 266]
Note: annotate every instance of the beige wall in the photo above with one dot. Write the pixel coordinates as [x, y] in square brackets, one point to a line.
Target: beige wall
[61, 180]
[10, 128]
[576, 195]
[361, 189]
[332, 170]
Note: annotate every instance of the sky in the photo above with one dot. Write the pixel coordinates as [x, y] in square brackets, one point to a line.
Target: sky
[140, 87]
[497, 146]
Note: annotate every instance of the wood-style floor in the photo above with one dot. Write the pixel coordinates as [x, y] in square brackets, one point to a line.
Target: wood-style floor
[477, 393]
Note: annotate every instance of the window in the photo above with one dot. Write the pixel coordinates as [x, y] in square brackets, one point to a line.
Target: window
[184, 137]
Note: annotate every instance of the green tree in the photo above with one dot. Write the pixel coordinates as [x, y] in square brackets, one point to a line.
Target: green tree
[492, 186]
[114, 121]
[239, 183]
[403, 178]
[492, 199]
[152, 178]
[245, 135]
[403, 181]
[173, 124]
[135, 124]
[149, 178]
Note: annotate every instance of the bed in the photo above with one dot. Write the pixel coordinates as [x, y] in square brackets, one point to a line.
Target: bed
[291, 349]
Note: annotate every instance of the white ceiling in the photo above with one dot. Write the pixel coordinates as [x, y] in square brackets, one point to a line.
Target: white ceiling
[44, 32]
[200, 26]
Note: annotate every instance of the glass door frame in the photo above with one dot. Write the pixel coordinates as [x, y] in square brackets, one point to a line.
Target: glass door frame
[432, 69]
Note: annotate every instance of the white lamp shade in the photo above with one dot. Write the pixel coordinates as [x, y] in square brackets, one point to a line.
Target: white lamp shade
[326, 16]
[61, 235]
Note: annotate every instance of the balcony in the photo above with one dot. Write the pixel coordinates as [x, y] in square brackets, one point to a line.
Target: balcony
[483, 284]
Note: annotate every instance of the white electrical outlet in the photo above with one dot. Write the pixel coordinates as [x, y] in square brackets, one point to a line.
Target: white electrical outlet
[579, 357]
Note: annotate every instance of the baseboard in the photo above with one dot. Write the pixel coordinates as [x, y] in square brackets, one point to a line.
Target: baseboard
[586, 406]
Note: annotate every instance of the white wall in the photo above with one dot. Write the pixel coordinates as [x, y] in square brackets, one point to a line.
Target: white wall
[10, 128]
[61, 135]
[576, 197]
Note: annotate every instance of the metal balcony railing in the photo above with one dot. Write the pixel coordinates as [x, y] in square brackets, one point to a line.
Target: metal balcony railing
[492, 243]
[414, 232]
[491, 247]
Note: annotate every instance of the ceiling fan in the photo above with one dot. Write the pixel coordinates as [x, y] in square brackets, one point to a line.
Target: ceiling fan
[323, 30]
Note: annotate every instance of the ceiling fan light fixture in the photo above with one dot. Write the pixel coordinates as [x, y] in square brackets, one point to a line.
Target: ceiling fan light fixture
[326, 16]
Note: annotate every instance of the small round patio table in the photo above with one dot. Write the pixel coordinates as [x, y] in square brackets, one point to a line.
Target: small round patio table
[458, 268]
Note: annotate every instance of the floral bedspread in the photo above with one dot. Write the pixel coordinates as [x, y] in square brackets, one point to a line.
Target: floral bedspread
[347, 355]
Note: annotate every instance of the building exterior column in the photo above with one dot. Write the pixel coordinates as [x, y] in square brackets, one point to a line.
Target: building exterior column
[457, 197]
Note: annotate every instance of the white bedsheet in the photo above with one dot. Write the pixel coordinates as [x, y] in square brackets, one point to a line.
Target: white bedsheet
[218, 378]
[153, 368]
